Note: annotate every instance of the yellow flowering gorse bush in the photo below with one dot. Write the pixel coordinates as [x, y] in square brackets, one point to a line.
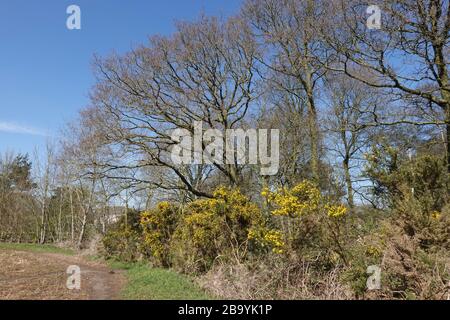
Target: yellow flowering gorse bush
[294, 210]
[268, 238]
[158, 225]
[211, 227]
[336, 211]
[301, 199]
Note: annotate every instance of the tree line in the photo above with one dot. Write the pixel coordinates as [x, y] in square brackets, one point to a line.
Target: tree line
[364, 120]
[312, 69]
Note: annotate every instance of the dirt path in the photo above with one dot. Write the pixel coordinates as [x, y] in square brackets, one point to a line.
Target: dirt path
[29, 275]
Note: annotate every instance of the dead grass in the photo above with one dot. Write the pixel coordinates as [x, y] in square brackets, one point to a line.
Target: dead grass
[287, 282]
[24, 275]
[28, 275]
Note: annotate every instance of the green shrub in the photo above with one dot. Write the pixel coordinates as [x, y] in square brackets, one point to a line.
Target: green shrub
[215, 228]
[122, 244]
[306, 224]
[158, 226]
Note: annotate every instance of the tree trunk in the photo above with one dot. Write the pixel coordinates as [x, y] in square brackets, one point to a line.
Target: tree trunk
[348, 182]
[43, 230]
[82, 231]
[447, 144]
[60, 218]
[72, 216]
[314, 134]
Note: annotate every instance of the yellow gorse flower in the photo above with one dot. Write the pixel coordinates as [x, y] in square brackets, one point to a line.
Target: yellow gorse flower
[268, 238]
[373, 251]
[154, 224]
[301, 199]
[336, 211]
[435, 215]
[221, 193]
[163, 205]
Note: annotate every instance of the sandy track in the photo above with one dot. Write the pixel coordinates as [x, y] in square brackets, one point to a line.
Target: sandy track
[42, 276]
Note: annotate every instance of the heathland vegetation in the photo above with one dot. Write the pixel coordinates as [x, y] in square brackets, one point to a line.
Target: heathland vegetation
[364, 160]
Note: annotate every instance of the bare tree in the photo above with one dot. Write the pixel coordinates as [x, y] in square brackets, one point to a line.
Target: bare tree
[292, 45]
[288, 114]
[350, 122]
[45, 177]
[79, 153]
[204, 72]
[409, 55]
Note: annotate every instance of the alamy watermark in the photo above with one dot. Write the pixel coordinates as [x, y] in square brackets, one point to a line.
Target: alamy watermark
[374, 20]
[234, 146]
[374, 281]
[74, 280]
[73, 22]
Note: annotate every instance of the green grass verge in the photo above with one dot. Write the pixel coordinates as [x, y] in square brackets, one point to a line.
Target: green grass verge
[146, 283]
[39, 248]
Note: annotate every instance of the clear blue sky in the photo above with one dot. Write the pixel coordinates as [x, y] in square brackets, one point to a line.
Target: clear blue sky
[45, 69]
